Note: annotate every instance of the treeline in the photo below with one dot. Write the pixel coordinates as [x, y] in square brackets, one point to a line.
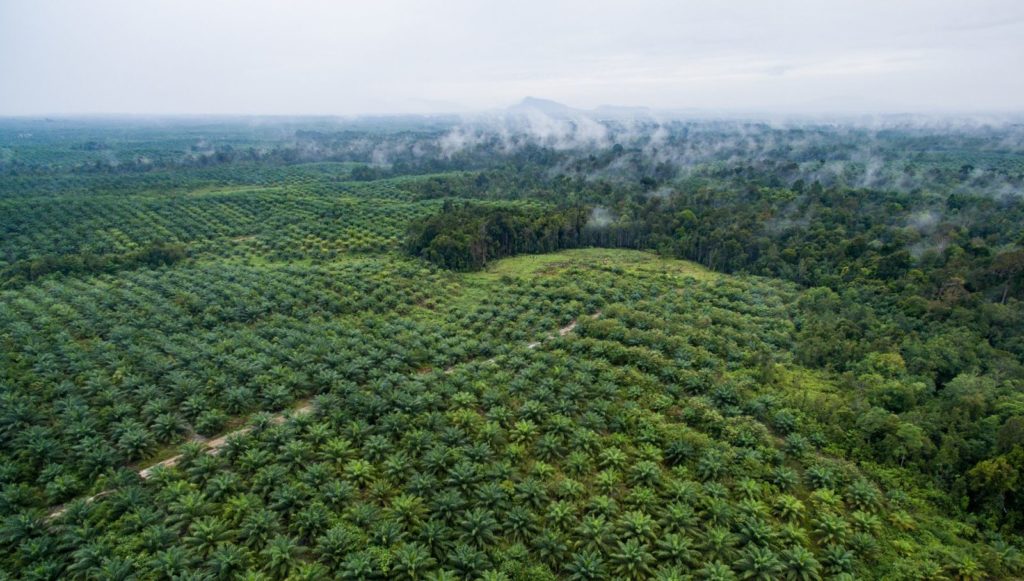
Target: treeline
[956, 260]
[939, 248]
[946, 253]
[468, 236]
[156, 254]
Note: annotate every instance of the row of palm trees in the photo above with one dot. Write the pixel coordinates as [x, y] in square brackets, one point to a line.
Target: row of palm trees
[442, 446]
[538, 464]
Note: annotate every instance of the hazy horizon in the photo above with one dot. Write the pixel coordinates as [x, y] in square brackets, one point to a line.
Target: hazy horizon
[313, 58]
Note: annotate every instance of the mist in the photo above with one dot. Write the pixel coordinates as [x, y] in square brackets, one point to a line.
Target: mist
[263, 57]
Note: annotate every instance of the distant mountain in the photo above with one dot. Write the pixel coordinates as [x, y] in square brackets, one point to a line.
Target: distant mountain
[546, 106]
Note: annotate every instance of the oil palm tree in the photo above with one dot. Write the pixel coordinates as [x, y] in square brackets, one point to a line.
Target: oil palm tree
[412, 561]
[281, 555]
[838, 559]
[206, 534]
[831, 529]
[635, 524]
[258, 527]
[520, 523]
[359, 565]
[632, 560]
[408, 510]
[800, 565]
[719, 544]
[479, 527]
[171, 562]
[586, 565]
[676, 549]
[716, 571]
[788, 508]
[227, 560]
[759, 564]
[550, 547]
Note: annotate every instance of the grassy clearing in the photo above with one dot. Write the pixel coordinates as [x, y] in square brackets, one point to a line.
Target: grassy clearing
[218, 191]
[630, 261]
[472, 289]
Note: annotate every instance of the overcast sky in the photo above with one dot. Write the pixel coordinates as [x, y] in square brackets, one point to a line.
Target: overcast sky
[401, 56]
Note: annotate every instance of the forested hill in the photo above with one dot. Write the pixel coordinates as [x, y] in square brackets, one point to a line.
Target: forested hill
[664, 353]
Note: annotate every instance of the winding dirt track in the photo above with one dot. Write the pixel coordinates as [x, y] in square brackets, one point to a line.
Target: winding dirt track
[214, 446]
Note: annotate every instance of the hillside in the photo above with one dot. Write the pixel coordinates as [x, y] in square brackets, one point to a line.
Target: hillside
[260, 368]
[670, 430]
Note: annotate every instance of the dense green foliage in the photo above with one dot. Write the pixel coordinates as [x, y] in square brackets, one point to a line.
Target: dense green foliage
[154, 254]
[468, 237]
[831, 389]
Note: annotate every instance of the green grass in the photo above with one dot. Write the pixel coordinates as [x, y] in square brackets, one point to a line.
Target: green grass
[475, 289]
[227, 191]
[630, 261]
